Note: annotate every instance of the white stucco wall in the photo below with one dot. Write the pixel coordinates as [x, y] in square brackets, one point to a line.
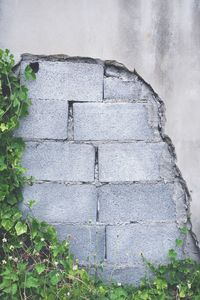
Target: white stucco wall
[159, 38]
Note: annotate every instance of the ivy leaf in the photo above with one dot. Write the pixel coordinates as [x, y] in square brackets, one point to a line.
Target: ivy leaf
[160, 284]
[20, 228]
[7, 224]
[40, 268]
[3, 127]
[12, 200]
[119, 294]
[179, 242]
[4, 188]
[55, 278]
[32, 282]
[29, 74]
[34, 228]
[16, 101]
[172, 254]
[31, 203]
[184, 230]
[17, 216]
[11, 290]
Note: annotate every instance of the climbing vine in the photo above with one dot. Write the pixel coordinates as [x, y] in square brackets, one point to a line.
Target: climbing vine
[33, 264]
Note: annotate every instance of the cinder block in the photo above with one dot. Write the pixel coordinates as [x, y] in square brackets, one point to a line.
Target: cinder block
[87, 243]
[47, 119]
[136, 202]
[67, 80]
[62, 203]
[113, 121]
[126, 243]
[134, 162]
[116, 88]
[124, 274]
[59, 161]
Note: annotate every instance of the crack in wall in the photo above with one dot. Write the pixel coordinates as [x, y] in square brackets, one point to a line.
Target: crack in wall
[70, 122]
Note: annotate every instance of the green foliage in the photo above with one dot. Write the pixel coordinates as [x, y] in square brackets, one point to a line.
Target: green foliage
[33, 264]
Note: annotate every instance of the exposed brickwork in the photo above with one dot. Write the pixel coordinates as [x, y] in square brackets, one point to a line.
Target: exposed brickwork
[105, 172]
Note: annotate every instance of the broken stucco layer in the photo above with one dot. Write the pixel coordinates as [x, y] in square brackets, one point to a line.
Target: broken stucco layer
[106, 174]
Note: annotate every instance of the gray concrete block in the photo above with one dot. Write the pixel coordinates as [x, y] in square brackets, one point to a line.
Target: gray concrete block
[116, 88]
[134, 162]
[124, 274]
[47, 119]
[59, 161]
[136, 202]
[62, 203]
[126, 243]
[114, 121]
[87, 243]
[67, 80]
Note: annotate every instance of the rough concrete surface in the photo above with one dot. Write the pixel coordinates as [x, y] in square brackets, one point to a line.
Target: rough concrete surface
[130, 241]
[47, 120]
[91, 122]
[87, 243]
[81, 82]
[57, 202]
[159, 38]
[133, 162]
[120, 203]
[106, 174]
[59, 161]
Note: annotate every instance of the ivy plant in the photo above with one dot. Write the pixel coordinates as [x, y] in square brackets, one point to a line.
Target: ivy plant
[33, 264]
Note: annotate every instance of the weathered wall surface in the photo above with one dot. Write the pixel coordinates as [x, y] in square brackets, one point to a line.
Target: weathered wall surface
[160, 38]
[105, 172]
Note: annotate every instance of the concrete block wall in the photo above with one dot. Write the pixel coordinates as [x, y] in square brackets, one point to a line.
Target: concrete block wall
[105, 172]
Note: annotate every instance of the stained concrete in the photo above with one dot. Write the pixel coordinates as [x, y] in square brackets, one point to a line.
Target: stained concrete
[160, 38]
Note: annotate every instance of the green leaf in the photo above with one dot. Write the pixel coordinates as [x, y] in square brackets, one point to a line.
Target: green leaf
[7, 224]
[160, 284]
[12, 199]
[55, 278]
[4, 190]
[184, 230]
[118, 294]
[40, 268]
[17, 216]
[11, 290]
[172, 254]
[20, 228]
[182, 291]
[14, 289]
[31, 203]
[16, 102]
[34, 228]
[29, 74]
[3, 127]
[32, 282]
[179, 242]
